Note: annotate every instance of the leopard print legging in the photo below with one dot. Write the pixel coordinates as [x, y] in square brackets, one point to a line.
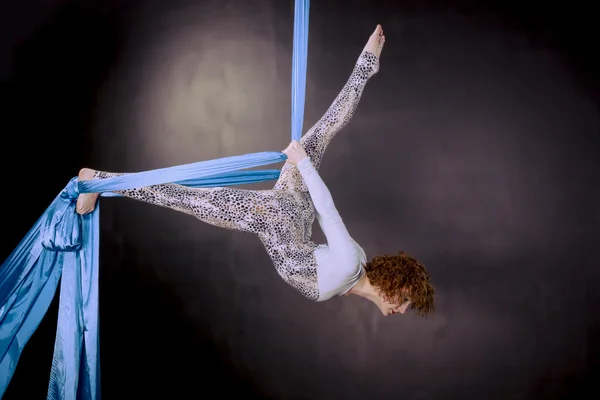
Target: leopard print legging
[282, 217]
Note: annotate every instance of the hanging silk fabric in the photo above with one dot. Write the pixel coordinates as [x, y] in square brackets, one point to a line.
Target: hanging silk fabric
[63, 246]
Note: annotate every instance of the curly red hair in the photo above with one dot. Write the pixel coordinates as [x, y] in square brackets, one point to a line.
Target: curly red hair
[399, 276]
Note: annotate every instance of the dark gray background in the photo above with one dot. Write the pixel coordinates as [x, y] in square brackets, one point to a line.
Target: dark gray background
[473, 149]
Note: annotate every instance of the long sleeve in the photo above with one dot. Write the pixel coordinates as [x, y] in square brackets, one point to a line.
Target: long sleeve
[338, 238]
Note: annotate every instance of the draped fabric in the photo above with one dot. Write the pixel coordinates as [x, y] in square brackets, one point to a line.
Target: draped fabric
[63, 246]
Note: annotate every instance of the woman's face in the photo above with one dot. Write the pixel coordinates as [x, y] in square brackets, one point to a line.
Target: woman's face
[398, 307]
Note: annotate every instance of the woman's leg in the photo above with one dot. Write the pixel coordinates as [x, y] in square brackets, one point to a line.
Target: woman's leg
[315, 141]
[274, 215]
[231, 208]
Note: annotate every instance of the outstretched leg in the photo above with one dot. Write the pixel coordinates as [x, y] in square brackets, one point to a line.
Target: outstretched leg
[274, 215]
[231, 208]
[338, 115]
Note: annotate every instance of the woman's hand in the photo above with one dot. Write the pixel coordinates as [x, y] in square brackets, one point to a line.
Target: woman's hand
[295, 152]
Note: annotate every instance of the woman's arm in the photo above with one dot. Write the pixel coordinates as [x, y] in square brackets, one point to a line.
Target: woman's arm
[329, 218]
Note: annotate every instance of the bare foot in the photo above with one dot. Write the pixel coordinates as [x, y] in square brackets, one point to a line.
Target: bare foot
[376, 41]
[86, 202]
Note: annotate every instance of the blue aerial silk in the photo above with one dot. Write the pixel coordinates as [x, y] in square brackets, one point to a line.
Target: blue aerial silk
[299, 64]
[63, 246]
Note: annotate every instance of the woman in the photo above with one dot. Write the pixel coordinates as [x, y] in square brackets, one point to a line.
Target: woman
[283, 217]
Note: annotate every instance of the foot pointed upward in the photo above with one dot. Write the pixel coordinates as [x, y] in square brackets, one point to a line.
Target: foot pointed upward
[375, 43]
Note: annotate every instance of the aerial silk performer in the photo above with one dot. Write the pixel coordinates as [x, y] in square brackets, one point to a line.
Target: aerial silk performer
[66, 238]
[282, 217]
